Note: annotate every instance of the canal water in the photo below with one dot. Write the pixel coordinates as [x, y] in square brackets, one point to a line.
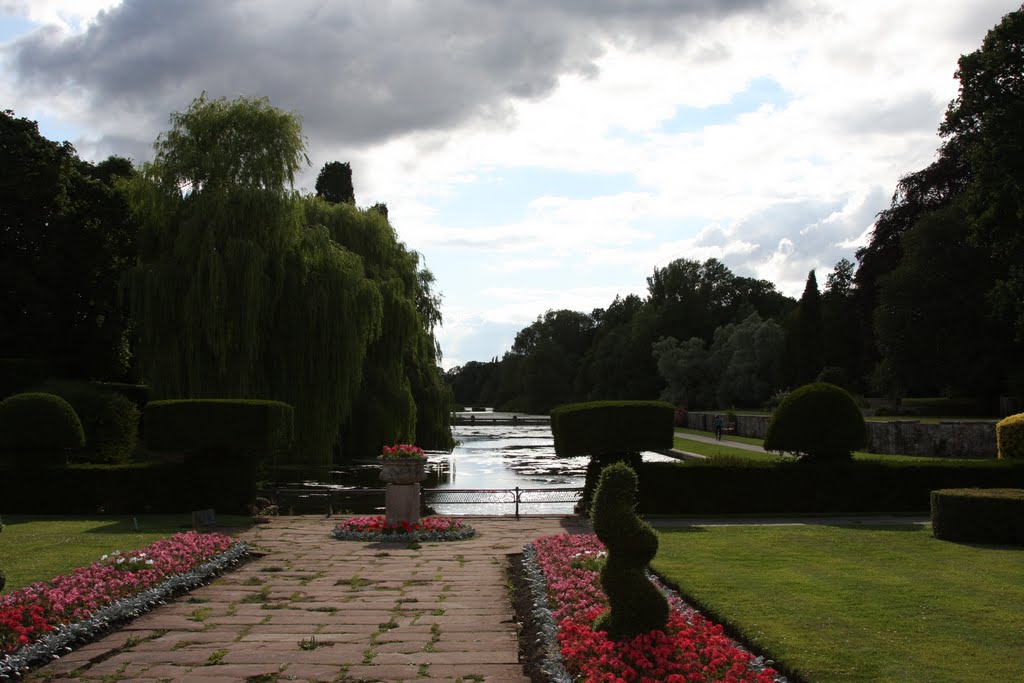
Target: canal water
[489, 456]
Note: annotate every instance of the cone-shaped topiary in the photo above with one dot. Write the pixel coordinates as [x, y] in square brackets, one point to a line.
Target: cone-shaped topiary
[636, 605]
[42, 425]
[818, 421]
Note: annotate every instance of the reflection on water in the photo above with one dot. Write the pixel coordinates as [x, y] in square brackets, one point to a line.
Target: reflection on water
[491, 457]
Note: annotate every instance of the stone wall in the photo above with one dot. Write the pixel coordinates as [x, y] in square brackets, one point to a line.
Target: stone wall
[968, 439]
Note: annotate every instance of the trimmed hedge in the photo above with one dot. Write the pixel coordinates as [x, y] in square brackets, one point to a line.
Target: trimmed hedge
[136, 393]
[120, 489]
[706, 487]
[979, 515]
[819, 421]
[1010, 437]
[110, 421]
[219, 424]
[38, 429]
[603, 427]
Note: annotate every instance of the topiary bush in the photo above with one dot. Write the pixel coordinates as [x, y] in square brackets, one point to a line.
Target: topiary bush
[1010, 437]
[609, 432]
[979, 515]
[110, 420]
[38, 429]
[635, 605]
[818, 421]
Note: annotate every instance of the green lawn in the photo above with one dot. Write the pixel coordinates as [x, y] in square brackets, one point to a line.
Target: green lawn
[834, 603]
[38, 548]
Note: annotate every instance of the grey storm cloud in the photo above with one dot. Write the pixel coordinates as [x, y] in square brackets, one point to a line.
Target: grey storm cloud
[358, 72]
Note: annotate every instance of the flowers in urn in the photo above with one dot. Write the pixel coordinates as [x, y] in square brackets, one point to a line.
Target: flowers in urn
[402, 451]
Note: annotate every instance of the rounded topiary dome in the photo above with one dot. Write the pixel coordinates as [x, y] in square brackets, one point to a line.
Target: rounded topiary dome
[819, 421]
[39, 422]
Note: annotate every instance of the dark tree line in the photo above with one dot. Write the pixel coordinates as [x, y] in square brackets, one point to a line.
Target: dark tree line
[934, 306]
[203, 274]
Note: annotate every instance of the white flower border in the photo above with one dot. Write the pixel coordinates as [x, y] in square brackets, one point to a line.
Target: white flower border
[461, 534]
[553, 665]
[66, 637]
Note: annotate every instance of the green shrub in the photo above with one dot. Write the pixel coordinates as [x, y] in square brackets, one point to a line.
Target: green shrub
[136, 393]
[819, 421]
[217, 424]
[39, 429]
[635, 605]
[612, 427]
[110, 420]
[3, 580]
[763, 487]
[979, 515]
[1010, 437]
[226, 442]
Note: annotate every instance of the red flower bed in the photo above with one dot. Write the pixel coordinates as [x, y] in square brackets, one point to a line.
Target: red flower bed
[29, 613]
[428, 529]
[690, 649]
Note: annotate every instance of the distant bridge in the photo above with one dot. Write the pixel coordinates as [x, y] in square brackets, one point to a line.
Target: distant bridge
[491, 419]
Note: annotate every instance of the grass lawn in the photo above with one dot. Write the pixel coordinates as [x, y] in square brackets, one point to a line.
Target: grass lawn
[864, 603]
[38, 547]
[721, 450]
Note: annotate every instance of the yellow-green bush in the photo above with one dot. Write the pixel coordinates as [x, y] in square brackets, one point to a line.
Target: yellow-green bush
[1010, 436]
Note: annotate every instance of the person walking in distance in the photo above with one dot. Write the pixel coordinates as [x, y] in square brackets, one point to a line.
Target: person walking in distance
[718, 427]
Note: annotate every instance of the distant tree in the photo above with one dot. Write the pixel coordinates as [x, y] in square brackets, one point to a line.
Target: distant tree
[550, 353]
[986, 122]
[841, 324]
[809, 330]
[686, 370]
[334, 184]
[933, 331]
[66, 237]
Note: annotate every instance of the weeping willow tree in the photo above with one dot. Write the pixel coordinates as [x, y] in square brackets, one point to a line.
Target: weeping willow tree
[402, 396]
[235, 294]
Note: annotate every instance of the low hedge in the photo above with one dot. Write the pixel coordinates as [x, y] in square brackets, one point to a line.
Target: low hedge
[759, 487]
[979, 515]
[602, 427]
[120, 489]
[1010, 437]
[38, 429]
[109, 419]
[219, 424]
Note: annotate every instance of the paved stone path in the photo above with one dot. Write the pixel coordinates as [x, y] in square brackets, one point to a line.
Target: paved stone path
[316, 609]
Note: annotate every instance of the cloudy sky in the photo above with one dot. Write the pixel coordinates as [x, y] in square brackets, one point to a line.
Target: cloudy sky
[539, 154]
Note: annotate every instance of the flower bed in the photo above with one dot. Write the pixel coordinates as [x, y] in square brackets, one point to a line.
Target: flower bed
[428, 529]
[45, 619]
[565, 576]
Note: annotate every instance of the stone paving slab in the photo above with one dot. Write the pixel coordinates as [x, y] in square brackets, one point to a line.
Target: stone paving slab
[311, 608]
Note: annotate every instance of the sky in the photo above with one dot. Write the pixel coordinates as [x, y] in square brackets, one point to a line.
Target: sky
[539, 154]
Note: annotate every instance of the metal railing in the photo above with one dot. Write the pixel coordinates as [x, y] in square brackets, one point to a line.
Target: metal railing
[516, 496]
[325, 498]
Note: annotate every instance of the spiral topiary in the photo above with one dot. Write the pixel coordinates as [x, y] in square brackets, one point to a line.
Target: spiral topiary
[818, 421]
[635, 605]
[39, 426]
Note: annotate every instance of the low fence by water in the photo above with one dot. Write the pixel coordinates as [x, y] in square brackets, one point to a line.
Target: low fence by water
[328, 500]
[954, 439]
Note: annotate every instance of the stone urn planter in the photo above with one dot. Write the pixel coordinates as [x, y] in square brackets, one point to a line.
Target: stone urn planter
[403, 474]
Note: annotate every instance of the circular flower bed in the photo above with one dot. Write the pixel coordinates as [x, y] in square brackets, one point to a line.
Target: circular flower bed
[428, 529]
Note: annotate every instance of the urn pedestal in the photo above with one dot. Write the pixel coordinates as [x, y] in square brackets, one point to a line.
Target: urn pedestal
[402, 493]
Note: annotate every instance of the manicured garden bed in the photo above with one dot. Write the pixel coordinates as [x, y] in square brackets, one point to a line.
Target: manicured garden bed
[428, 529]
[836, 604]
[691, 648]
[44, 619]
